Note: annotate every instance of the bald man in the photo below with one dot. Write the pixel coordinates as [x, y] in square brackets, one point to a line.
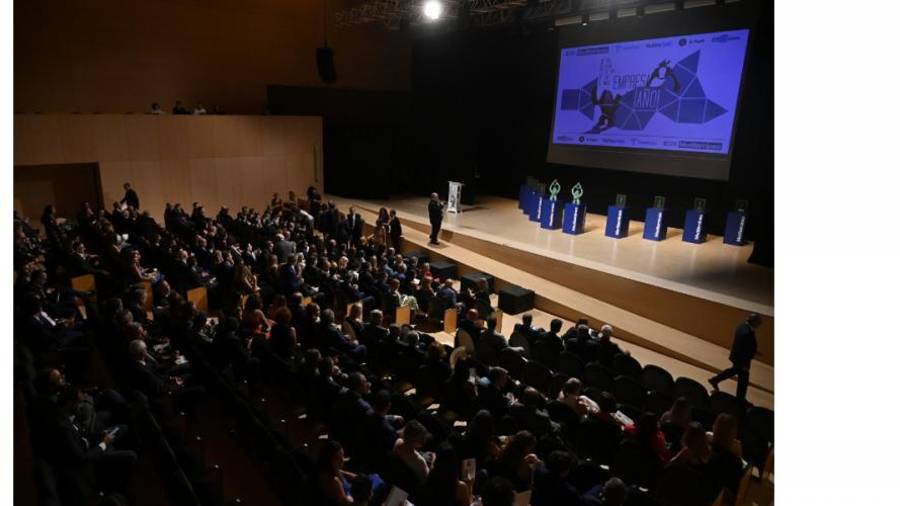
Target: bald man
[435, 215]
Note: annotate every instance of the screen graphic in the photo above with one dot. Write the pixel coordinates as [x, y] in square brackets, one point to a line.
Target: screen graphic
[672, 94]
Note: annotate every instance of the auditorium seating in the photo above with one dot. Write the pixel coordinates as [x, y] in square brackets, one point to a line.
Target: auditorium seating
[284, 394]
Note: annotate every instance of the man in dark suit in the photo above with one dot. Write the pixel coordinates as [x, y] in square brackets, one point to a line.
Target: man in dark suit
[396, 230]
[435, 215]
[356, 223]
[131, 197]
[743, 350]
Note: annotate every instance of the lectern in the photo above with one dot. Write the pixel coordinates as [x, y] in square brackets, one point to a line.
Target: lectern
[454, 197]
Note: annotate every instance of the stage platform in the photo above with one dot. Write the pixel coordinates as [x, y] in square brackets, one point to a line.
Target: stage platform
[657, 342]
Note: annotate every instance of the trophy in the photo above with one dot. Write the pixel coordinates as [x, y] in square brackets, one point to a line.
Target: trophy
[700, 204]
[577, 192]
[659, 202]
[554, 190]
[621, 199]
[741, 206]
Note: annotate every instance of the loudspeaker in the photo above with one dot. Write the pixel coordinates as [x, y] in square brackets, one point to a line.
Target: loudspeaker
[325, 62]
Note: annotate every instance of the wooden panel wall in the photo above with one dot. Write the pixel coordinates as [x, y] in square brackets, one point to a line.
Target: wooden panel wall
[215, 160]
[114, 56]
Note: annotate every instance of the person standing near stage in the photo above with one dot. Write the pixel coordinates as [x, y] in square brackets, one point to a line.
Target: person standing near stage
[435, 215]
[396, 230]
[742, 352]
[131, 197]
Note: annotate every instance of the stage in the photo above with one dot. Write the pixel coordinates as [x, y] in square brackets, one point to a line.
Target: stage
[712, 270]
[678, 299]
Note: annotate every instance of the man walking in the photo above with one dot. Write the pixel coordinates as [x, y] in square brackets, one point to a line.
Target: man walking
[435, 215]
[742, 352]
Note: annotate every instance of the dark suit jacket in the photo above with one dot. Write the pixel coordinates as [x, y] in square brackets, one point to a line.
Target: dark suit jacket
[396, 230]
[356, 223]
[744, 348]
[435, 211]
[143, 378]
[131, 198]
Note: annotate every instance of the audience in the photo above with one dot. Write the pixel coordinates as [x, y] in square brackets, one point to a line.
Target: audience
[279, 283]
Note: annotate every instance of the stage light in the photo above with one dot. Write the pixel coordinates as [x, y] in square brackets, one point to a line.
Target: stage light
[433, 9]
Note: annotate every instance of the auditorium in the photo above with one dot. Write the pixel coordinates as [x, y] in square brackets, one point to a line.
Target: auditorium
[420, 252]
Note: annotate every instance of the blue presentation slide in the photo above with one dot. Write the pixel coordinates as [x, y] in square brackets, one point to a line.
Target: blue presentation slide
[673, 93]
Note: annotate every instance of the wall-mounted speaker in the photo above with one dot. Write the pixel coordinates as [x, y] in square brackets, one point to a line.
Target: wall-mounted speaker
[325, 62]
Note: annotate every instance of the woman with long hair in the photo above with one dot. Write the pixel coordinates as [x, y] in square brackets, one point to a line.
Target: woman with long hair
[443, 486]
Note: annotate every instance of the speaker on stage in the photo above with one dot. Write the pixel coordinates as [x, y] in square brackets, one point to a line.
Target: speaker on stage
[325, 63]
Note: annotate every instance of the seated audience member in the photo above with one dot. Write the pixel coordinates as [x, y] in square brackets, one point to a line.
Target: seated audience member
[180, 108]
[498, 491]
[606, 349]
[695, 450]
[407, 446]
[551, 481]
[530, 413]
[516, 460]
[674, 422]
[381, 427]
[571, 396]
[156, 109]
[614, 493]
[551, 338]
[332, 337]
[479, 441]
[332, 480]
[447, 294]
[283, 336]
[199, 110]
[646, 432]
[725, 464]
[471, 325]
[492, 395]
[443, 486]
[491, 338]
[525, 328]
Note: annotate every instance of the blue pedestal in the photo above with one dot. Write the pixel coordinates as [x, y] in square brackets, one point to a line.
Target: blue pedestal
[617, 222]
[534, 213]
[694, 227]
[734, 228]
[523, 191]
[531, 202]
[655, 226]
[550, 214]
[573, 218]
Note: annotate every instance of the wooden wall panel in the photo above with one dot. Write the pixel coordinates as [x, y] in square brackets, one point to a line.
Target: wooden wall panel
[215, 160]
[78, 139]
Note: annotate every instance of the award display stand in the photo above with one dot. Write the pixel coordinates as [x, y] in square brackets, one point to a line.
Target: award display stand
[535, 211]
[695, 226]
[617, 222]
[523, 192]
[734, 228]
[550, 213]
[573, 218]
[655, 227]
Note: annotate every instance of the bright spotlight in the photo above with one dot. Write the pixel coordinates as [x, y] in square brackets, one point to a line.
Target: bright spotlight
[433, 9]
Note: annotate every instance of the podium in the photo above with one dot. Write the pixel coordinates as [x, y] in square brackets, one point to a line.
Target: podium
[734, 228]
[454, 197]
[573, 218]
[694, 227]
[655, 226]
[617, 221]
[549, 215]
